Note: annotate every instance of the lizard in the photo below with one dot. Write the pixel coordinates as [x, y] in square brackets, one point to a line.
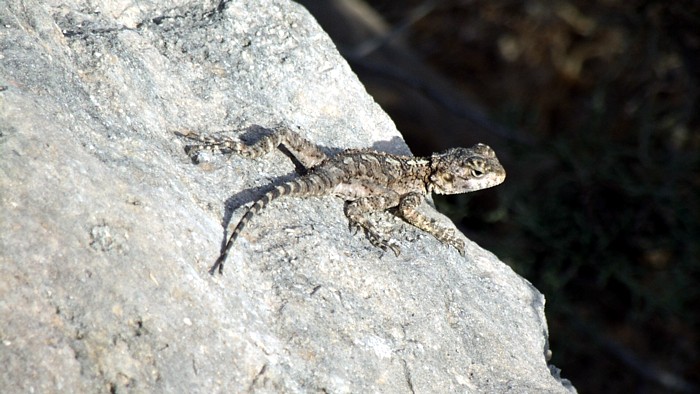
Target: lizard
[366, 179]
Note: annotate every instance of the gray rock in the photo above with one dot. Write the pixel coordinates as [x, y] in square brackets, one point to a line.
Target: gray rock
[108, 228]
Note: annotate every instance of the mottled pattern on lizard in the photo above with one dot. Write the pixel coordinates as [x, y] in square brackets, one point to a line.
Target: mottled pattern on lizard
[368, 180]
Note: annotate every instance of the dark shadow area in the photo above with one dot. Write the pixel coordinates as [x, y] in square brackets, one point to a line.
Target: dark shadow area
[592, 108]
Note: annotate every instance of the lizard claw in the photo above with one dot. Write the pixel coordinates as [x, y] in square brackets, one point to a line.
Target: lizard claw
[395, 248]
[354, 227]
[381, 242]
[192, 150]
[459, 245]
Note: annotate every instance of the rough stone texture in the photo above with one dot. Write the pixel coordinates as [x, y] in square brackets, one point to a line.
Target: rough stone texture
[107, 228]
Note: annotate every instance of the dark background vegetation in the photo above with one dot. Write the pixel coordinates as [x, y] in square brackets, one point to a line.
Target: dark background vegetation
[593, 108]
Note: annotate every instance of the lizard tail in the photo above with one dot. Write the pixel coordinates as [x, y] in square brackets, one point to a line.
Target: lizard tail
[310, 185]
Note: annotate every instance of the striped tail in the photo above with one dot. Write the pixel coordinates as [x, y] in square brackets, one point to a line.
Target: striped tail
[310, 185]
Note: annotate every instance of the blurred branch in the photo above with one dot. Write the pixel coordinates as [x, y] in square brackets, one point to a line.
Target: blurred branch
[438, 95]
[374, 48]
[371, 45]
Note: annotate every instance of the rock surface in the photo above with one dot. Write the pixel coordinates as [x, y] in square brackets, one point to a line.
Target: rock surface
[108, 229]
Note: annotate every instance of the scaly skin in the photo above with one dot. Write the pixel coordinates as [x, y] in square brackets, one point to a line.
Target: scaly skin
[369, 180]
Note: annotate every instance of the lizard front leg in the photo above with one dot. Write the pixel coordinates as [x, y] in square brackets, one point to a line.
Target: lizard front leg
[308, 153]
[356, 212]
[407, 209]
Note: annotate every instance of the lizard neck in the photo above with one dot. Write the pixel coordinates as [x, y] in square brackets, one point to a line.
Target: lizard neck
[428, 174]
[423, 171]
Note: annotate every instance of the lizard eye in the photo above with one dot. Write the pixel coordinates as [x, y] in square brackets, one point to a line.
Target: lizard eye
[476, 167]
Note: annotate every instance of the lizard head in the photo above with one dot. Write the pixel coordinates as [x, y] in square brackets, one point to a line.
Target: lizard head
[461, 170]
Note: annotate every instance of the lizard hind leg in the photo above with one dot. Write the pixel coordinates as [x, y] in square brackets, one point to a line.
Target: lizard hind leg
[308, 153]
[209, 143]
